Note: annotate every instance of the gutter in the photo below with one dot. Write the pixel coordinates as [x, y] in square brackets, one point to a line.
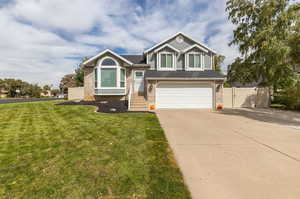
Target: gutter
[141, 65]
[183, 78]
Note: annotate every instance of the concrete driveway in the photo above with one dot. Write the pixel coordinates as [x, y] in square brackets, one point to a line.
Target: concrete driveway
[238, 153]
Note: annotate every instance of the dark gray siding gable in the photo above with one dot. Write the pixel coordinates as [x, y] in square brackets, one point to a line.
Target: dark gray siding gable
[180, 59]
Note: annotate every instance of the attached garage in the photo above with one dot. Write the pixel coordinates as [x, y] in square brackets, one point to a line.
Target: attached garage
[184, 95]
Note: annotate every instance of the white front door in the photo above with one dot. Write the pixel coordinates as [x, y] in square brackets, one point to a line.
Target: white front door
[183, 95]
[138, 81]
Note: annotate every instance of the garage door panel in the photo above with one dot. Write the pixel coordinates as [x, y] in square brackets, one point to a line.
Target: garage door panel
[183, 96]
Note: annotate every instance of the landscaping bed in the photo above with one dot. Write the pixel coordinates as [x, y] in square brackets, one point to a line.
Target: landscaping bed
[109, 107]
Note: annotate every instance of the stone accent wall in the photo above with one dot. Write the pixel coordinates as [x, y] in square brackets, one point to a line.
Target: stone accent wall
[88, 84]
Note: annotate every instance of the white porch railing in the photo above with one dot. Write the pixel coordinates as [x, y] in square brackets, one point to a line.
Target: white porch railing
[129, 97]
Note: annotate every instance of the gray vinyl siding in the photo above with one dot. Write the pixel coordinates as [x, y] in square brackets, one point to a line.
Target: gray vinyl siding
[196, 50]
[152, 60]
[180, 62]
[109, 91]
[181, 46]
[181, 59]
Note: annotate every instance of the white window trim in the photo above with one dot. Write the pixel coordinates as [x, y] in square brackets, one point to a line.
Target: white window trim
[124, 78]
[187, 65]
[166, 46]
[159, 61]
[142, 71]
[118, 67]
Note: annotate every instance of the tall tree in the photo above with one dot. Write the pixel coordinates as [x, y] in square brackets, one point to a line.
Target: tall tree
[19, 88]
[47, 87]
[218, 61]
[68, 81]
[262, 33]
[294, 42]
[2, 85]
[79, 73]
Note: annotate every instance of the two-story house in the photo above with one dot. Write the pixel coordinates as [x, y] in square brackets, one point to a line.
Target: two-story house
[176, 73]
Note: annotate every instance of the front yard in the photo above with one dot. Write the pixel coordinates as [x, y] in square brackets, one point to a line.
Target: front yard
[49, 151]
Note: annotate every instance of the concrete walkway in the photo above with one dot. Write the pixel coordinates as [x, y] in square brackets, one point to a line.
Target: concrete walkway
[236, 154]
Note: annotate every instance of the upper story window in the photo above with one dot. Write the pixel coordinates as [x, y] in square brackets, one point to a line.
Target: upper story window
[166, 61]
[194, 61]
[109, 74]
[108, 62]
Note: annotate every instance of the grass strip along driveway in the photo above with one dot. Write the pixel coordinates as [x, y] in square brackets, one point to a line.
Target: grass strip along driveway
[49, 151]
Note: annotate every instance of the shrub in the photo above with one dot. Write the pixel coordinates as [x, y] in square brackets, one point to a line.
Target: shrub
[290, 96]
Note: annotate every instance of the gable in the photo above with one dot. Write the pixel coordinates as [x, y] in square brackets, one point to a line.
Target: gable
[180, 42]
[93, 61]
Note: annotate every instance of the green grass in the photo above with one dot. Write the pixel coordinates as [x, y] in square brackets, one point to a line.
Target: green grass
[49, 151]
[278, 106]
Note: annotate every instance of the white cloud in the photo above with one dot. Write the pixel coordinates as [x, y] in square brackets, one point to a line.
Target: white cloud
[42, 37]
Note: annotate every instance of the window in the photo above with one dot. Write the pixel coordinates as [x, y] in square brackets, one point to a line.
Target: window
[122, 79]
[96, 77]
[109, 74]
[207, 62]
[108, 77]
[193, 61]
[108, 62]
[166, 61]
[139, 75]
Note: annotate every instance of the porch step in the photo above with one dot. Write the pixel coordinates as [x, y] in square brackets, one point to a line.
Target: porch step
[138, 103]
[138, 97]
[138, 109]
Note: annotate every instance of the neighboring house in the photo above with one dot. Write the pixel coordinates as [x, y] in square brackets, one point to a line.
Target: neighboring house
[176, 73]
[46, 94]
[3, 93]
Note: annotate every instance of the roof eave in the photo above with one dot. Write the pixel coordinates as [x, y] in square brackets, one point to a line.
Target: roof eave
[102, 53]
[185, 78]
[141, 65]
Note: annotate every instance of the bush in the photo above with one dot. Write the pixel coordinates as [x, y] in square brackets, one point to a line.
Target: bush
[290, 97]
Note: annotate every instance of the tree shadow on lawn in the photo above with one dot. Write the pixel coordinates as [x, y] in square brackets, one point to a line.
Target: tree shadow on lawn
[281, 117]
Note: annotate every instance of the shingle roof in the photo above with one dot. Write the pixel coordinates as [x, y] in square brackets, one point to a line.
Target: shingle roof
[135, 59]
[183, 74]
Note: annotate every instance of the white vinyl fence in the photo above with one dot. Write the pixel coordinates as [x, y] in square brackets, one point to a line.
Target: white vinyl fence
[246, 97]
[76, 93]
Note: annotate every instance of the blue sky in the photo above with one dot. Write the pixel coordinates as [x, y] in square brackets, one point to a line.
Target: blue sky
[44, 40]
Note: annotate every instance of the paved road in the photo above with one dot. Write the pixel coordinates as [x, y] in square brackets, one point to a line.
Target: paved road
[248, 154]
[8, 101]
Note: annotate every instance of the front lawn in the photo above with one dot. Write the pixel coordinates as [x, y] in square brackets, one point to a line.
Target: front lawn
[49, 151]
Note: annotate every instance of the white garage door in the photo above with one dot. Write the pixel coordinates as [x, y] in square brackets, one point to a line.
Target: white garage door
[183, 96]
